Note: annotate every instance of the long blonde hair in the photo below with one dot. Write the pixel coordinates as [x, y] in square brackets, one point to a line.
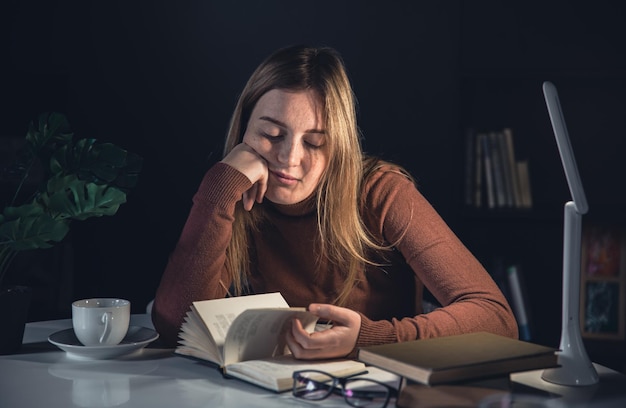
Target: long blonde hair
[344, 240]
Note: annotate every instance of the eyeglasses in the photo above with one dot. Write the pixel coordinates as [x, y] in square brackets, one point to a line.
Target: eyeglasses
[313, 385]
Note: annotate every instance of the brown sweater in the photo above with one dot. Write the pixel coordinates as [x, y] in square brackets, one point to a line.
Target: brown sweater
[389, 297]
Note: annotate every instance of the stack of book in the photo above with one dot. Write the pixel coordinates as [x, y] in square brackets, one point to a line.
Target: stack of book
[460, 370]
[459, 358]
[495, 178]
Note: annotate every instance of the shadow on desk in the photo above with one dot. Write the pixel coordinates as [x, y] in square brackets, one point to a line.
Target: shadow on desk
[465, 394]
[46, 346]
[521, 389]
[37, 352]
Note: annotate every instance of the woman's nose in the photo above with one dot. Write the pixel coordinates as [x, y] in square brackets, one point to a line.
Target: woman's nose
[289, 152]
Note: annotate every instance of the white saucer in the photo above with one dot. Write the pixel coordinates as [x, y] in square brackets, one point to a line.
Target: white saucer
[137, 338]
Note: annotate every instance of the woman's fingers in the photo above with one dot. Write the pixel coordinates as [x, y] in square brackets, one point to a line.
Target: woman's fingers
[249, 162]
[260, 188]
[250, 196]
[337, 341]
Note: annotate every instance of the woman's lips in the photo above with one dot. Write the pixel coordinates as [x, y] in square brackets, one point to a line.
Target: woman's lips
[284, 178]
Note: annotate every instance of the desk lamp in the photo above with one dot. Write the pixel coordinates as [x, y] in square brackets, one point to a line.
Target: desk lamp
[575, 366]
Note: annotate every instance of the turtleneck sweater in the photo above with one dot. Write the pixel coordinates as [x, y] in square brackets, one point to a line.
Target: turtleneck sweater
[388, 295]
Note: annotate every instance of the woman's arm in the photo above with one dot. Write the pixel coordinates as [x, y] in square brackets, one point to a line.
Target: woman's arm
[195, 269]
[470, 298]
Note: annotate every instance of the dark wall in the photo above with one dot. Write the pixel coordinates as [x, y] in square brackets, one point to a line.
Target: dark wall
[160, 78]
[508, 50]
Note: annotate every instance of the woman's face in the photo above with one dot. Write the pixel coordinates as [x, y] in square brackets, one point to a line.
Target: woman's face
[287, 130]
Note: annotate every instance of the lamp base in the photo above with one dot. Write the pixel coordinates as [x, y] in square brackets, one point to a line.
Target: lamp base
[572, 372]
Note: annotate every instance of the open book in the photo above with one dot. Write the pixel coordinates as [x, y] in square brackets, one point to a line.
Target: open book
[245, 337]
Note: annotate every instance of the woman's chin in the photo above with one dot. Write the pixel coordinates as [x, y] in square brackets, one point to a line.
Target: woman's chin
[282, 199]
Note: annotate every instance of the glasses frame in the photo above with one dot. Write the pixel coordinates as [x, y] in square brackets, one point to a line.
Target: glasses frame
[338, 386]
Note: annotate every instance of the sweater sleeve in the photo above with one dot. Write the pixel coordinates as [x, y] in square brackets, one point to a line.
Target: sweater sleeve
[197, 264]
[471, 300]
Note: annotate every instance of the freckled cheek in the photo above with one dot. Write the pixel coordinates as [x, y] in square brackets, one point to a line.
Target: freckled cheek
[315, 166]
[258, 143]
[250, 138]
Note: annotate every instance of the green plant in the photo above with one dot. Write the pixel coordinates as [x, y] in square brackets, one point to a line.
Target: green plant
[78, 179]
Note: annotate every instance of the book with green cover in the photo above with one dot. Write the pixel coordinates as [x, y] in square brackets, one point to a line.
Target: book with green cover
[458, 358]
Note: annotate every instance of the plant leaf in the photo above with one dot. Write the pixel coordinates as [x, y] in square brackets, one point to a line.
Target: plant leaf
[83, 179]
[28, 227]
[47, 133]
[25, 210]
[69, 197]
[99, 163]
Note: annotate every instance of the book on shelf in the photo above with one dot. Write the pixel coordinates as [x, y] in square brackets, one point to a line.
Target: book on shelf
[494, 177]
[519, 301]
[508, 169]
[244, 337]
[497, 164]
[458, 358]
[510, 280]
[523, 174]
[511, 168]
[490, 186]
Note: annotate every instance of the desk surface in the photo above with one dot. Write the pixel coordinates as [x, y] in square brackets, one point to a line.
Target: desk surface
[42, 375]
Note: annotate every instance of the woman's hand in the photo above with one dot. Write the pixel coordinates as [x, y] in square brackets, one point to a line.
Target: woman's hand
[337, 341]
[245, 159]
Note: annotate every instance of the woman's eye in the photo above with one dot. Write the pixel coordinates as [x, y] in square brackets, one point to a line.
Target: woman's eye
[271, 137]
[312, 145]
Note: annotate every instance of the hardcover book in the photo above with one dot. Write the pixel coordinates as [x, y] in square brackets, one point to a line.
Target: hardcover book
[458, 358]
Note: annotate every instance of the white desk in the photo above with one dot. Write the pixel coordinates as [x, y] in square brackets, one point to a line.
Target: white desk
[43, 376]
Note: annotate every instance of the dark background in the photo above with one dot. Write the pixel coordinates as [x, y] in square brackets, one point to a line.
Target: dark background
[160, 78]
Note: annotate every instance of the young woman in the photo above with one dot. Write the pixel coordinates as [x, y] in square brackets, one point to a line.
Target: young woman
[295, 207]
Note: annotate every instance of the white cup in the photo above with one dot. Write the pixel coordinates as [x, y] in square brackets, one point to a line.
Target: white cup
[100, 321]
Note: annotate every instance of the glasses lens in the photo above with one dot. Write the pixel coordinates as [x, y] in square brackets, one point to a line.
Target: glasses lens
[365, 393]
[312, 385]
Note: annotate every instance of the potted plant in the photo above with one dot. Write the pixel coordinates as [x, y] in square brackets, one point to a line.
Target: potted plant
[76, 179]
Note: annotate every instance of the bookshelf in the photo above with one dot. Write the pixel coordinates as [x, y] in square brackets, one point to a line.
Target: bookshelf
[531, 238]
[603, 282]
[500, 87]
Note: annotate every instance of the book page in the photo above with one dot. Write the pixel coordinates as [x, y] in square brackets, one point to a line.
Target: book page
[195, 340]
[218, 314]
[260, 333]
[276, 373]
